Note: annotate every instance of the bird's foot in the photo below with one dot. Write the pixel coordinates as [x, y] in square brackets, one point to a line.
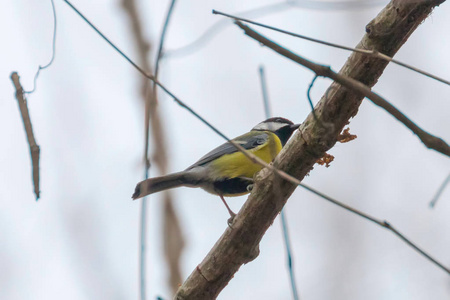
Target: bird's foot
[231, 219]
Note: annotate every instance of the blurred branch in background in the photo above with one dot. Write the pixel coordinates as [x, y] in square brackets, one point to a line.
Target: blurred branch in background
[34, 148]
[217, 27]
[364, 51]
[284, 226]
[173, 235]
[439, 191]
[173, 238]
[240, 244]
[266, 10]
[427, 139]
[337, 5]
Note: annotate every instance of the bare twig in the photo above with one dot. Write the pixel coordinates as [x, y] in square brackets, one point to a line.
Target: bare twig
[308, 96]
[427, 139]
[172, 234]
[439, 192]
[372, 53]
[143, 50]
[265, 93]
[284, 225]
[40, 68]
[215, 29]
[34, 148]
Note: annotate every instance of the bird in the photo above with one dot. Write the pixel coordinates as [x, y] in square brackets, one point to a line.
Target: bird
[225, 171]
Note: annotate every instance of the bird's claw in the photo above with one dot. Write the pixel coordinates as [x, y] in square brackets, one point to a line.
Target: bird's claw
[230, 220]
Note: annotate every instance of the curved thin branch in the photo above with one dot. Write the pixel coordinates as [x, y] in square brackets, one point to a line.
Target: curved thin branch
[40, 68]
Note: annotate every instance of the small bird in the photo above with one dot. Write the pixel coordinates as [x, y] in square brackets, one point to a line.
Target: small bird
[225, 171]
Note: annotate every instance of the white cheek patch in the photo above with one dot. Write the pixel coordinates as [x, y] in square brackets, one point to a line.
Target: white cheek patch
[270, 126]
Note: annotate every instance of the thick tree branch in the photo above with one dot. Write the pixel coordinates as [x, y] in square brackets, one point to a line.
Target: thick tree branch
[240, 244]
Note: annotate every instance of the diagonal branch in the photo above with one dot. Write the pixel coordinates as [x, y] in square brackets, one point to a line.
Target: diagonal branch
[365, 51]
[428, 139]
[34, 148]
[240, 244]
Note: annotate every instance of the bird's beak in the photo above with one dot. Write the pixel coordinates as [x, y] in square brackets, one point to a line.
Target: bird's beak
[295, 126]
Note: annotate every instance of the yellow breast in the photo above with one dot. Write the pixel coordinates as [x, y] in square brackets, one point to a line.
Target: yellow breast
[238, 165]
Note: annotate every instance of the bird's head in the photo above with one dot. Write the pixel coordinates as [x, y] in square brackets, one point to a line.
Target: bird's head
[282, 127]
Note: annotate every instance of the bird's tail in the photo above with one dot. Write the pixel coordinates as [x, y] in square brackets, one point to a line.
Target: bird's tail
[158, 184]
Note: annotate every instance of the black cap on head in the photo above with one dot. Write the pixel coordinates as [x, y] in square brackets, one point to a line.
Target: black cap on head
[279, 120]
[282, 127]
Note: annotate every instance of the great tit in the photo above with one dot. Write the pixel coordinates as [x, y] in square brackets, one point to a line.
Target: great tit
[225, 171]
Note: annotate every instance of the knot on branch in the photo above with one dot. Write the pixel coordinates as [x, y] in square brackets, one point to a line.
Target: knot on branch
[317, 139]
[383, 26]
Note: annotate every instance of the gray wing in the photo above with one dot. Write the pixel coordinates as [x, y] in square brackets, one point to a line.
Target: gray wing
[247, 141]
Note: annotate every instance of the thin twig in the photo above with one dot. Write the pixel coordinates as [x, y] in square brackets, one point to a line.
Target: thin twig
[290, 260]
[172, 234]
[249, 155]
[308, 95]
[53, 52]
[34, 148]
[429, 140]
[143, 49]
[372, 53]
[439, 192]
[151, 104]
[163, 36]
[382, 223]
[287, 243]
[217, 27]
[142, 249]
[265, 94]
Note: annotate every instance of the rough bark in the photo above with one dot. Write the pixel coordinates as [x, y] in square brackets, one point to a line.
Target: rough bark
[35, 150]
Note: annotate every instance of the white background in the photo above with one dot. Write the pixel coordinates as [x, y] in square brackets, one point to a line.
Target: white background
[80, 241]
